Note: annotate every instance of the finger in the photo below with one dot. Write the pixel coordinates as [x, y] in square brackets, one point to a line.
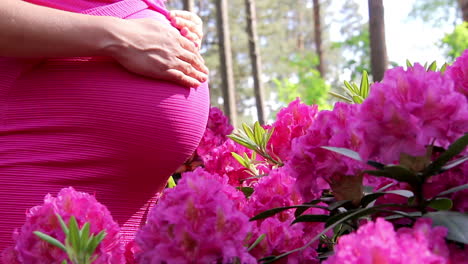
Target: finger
[181, 23]
[193, 37]
[193, 60]
[186, 15]
[180, 78]
[190, 54]
[189, 70]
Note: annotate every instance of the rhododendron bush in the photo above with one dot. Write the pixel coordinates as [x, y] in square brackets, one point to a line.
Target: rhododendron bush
[383, 181]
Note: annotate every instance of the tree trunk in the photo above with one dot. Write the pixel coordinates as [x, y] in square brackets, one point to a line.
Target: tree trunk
[318, 37]
[189, 5]
[225, 56]
[255, 59]
[464, 9]
[379, 60]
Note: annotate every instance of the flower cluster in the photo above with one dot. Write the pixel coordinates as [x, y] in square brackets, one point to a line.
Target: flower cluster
[277, 190]
[199, 221]
[378, 242]
[31, 249]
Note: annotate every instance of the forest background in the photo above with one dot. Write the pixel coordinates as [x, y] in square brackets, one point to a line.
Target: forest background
[299, 55]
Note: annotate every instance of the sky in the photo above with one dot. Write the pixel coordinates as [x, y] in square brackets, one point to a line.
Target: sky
[406, 38]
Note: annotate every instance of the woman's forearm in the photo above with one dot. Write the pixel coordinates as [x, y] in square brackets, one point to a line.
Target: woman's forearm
[28, 30]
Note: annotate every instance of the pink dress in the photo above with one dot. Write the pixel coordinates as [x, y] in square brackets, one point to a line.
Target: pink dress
[90, 124]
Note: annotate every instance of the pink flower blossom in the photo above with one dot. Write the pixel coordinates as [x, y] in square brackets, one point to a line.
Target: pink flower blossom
[84, 207]
[377, 242]
[221, 162]
[277, 190]
[217, 129]
[407, 111]
[459, 73]
[198, 221]
[291, 122]
[313, 166]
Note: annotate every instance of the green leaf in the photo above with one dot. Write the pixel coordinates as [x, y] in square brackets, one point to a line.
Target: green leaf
[73, 235]
[242, 141]
[248, 131]
[84, 236]
[345, 152]
[453, 150]
[257, 241]
[433, 66]
[409, 64]
[443, 68]
[441, 204]
[171, 182]
[455, 222]
[258, 133]
[96, 241]
[339, 96]
[453, 190]
[62, 224]
[240, 159]
[246, 190]
[50, 240]
[366, 200]
[338, 204]
[311, 218]
[364, 89]
[64, 262]
[272, 212]
[396, 172]
[454, 163]
[357, 99]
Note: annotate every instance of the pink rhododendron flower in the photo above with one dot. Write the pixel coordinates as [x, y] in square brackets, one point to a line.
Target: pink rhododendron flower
[277, 190]
[84, 207]
[459, 73]
[407, 111]
[454, 177]
[313, 166]
[291, 122]
[198, 221]
[377, 242]
[220, 161]
[217, 129]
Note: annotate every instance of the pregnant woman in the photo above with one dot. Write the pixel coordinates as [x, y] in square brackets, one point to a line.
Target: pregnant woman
[106, 96]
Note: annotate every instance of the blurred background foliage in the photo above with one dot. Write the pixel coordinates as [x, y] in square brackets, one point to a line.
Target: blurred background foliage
[288, 52]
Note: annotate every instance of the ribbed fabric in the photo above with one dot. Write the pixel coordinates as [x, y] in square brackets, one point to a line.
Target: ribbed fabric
[90, 124]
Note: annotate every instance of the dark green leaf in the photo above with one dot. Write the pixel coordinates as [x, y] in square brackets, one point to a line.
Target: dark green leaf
[345, 152]
[246, 190]
[338, 204]
[455, 222]
[396, 172]
[257, 241]
[375, 164]
[454, 163]
[453, 150]
[274, 211]
[50, 240]
[454, 189]
[311, 218]
[441, 204]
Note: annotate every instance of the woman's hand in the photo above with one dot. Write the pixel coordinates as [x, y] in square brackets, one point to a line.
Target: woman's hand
[157, 50]
[189, 24]
[143, 46]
